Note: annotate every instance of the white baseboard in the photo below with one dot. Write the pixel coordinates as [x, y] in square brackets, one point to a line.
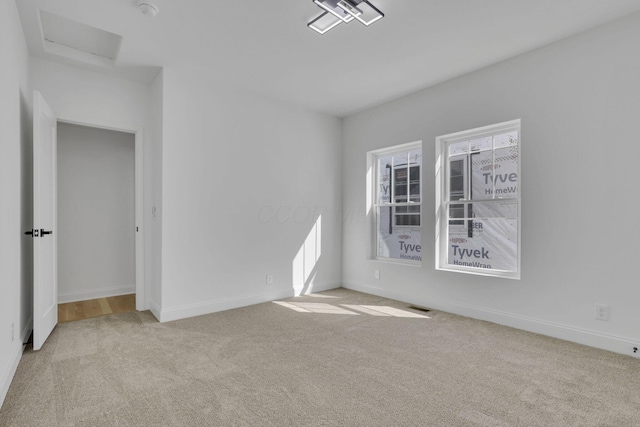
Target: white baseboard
[557, 330]
[94, 293]
[207, 307]
[9, 371]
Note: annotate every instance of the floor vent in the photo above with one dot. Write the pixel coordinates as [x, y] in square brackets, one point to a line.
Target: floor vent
[415, 307]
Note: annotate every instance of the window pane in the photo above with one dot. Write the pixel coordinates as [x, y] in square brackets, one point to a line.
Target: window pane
[415, 157]
[408, 220]
[495, 210]
[400, 178]
[494, 174]
[407, 215]
[400, 184]
[508, 139]
[493, 245]
[400, 160]
[458, 148]
[481, 144]
[385, 229]
[414, 183]
[414, 174]
[456, 167]
[457, 188]
[482, 168]
[456, 211]
[399, 239]
[384, 174]
[456, 178]
[506, 175]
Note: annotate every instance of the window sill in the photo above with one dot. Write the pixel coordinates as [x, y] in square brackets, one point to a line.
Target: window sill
[482, 272]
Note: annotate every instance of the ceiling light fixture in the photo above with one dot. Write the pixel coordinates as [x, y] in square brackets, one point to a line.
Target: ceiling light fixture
[147, 8]
[337, 11]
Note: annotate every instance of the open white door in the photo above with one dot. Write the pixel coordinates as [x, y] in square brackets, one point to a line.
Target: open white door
[45, 262]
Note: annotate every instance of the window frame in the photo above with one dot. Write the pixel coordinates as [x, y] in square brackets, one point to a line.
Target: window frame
[375, 204]
[443, 201]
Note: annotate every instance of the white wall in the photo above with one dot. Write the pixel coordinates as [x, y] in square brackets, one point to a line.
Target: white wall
[244, 182]
[15, 194]
[579, 101]
[87, 97]
[96, 213]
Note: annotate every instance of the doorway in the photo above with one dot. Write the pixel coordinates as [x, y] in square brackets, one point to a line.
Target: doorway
[99, 234]
[45, 212]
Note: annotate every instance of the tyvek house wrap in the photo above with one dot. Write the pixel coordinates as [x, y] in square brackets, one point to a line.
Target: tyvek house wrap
[488, 237]
[397, 241]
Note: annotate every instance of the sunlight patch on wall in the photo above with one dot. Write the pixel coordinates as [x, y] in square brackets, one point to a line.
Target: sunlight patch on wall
[306, 260]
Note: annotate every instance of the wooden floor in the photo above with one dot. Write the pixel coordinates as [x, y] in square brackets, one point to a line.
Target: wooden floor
[79, 310]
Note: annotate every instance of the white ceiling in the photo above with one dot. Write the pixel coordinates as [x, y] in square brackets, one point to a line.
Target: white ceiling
[265, 47]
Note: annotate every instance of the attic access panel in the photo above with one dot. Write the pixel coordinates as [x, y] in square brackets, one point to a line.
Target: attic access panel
[74, 40]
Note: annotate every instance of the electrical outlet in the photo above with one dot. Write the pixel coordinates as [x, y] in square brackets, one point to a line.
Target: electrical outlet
[635, 352]
[376, 274]
[269, 279]
[602, 312]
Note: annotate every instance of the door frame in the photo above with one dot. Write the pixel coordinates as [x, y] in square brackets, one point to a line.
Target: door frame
[142, 296]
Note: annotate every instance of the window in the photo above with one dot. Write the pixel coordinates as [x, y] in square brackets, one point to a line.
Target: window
[397, 184]
[478, 201]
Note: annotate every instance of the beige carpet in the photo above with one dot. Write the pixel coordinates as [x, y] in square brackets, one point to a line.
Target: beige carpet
[339, 358]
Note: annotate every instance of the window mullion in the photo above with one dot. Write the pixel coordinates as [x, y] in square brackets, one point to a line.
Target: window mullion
[493, 167]
[408, 176]
[392, 190]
